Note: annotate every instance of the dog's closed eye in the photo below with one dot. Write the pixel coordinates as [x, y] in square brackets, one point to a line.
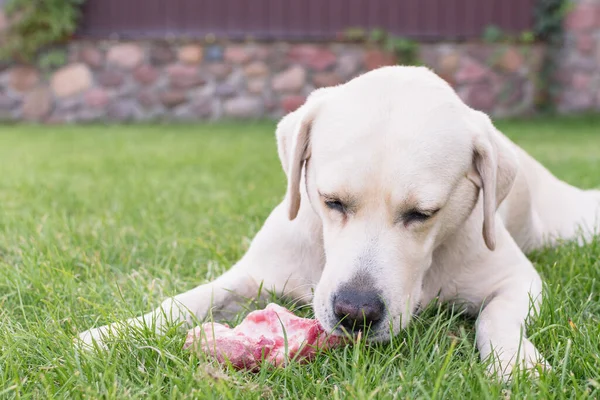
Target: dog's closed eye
[415, 216]
[336, 205]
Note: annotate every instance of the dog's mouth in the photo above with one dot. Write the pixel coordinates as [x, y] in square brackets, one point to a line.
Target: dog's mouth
[376, 332]
[379, 332]
[363, 335]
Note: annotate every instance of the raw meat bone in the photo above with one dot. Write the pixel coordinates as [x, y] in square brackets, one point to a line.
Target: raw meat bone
[274, 335]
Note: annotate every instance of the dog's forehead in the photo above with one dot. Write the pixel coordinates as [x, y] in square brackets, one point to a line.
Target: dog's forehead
[391, 108]
[401, 175]
[407, 140]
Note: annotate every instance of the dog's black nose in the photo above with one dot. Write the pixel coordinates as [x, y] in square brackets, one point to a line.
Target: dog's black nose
[357, 310]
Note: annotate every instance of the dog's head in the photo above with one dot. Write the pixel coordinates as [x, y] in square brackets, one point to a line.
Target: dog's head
[393, 163]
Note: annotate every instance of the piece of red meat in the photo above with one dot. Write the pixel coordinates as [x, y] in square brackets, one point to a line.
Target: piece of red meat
[261, 336]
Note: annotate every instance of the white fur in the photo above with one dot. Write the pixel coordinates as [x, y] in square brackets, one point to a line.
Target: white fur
[391, 140]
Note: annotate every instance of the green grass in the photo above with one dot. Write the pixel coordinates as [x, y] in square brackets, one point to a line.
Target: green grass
[99, 224]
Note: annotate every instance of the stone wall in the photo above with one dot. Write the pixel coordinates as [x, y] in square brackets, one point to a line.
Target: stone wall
[579, 61]
[116, 81]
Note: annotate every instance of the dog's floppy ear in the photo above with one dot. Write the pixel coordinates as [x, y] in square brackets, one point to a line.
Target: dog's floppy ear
[495, 165]
[293, 145]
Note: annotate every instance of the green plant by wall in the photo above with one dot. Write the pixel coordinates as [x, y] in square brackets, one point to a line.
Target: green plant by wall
[492, 34]
[36, 24]
[406, 50]
[547, 28]
[548, 21]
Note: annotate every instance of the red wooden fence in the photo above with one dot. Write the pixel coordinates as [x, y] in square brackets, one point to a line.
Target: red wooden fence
[301, 19]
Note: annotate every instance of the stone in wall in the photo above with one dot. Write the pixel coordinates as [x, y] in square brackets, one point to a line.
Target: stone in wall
[191, 54]
[325, 79]
[3, 21]
[481, 95]
[317, 58]
[256, 85]
[184, 76]
[584, 16]
[256, 69]
[470, 71]
[214, 53]
[292, 103]
[37, 104]
[125, 55]
[349, 63]
[220, 71]
[90, 55]
[376, 58]
[243, 107]
[145, 74]
[173, 98]
[71, 80]
[23, 78]
[8, 105]
[147, 99]
[511, 60]
[110, 78]
[578, 75]
[96, 98]
[226, 90]
[161, 54]
[290, 80]
[123, 110]
[201, 107]
[448, 61]
[239, 54]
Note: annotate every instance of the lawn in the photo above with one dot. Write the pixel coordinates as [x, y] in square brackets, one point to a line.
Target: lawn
[99, 224]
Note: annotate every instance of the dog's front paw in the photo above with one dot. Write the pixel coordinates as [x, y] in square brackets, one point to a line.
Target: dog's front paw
[92, 338]
[524, 358]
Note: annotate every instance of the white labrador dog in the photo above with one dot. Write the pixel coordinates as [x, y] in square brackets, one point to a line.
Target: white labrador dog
[398, 193]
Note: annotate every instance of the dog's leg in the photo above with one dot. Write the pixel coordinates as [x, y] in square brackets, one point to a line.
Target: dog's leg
[285, 257]
[501, 325]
